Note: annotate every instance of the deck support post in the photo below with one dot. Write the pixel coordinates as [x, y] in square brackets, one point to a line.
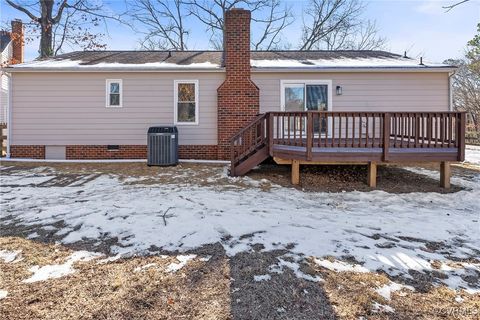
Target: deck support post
[445, 174]
[372, 174]
[295, 172]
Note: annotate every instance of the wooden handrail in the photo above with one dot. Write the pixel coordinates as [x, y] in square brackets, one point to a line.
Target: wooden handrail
[379, 131]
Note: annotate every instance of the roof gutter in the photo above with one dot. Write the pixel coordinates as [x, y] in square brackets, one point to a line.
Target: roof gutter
[40, 69]
[361, 69]
[222, 69]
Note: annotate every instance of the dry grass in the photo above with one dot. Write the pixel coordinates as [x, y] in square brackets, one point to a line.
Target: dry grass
[220, 288]
[113, 290]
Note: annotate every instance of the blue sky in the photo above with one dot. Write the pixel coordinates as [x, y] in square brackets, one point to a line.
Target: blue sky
[420, 26]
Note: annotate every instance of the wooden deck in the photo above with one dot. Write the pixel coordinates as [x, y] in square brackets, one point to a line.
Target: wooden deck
[349, 137]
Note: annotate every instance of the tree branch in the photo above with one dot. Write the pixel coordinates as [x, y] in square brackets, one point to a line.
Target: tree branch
[24, 10]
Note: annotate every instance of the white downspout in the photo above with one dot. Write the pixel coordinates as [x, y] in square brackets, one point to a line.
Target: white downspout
[9, 113]
[450, 90]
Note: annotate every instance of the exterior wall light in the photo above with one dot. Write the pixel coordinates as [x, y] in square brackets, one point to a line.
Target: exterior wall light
[339, 90]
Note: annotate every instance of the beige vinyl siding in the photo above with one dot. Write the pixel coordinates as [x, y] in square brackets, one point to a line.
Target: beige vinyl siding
[5, 57]
[401, 91]
[69, 108]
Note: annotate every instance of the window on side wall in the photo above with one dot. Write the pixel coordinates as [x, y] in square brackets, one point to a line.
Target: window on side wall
[186, 102]
[114, 97]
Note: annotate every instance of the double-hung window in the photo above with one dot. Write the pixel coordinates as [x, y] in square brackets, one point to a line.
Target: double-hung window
[186, 102]
[114, 93]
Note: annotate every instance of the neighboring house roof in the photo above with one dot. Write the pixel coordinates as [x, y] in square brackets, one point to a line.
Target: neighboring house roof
[213, 60]
[4, 40]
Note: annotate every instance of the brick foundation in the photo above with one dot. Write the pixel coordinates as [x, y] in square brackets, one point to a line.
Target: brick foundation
[91, 152]
[95, 152]
[200, 152]
[30, 152]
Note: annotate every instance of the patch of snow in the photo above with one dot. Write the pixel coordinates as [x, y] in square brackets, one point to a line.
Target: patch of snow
[295, 267]
[317, 224]
[3, 294]
[459, 299]
[263, 277]
[387, 290]
[77, 65]
[377, 307]
[343, 63]
[33, 235]
[183, 259]
[110, 259]
[60, 270]
[205, 259]
[9, 256]
[147, 266]
[472, 154]
[340, 266]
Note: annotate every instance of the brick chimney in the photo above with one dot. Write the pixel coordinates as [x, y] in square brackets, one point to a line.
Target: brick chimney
[17, 36]
[238, 97]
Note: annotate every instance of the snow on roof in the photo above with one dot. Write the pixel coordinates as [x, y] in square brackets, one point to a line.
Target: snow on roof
[213, 60]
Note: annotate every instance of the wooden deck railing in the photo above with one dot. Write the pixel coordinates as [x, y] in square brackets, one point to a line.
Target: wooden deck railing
[380, 131]
[248, 139]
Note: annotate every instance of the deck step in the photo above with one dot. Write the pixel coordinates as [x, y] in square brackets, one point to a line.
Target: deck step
[252, 161]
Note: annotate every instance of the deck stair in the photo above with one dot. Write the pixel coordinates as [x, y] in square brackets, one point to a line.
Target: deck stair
[249, 147]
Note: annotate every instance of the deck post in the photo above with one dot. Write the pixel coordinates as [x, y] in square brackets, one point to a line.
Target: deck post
[372, 174]
[295, 172]
[309, 135]
[270, 133]
[445, 174]
[461, 123]
[386, 135]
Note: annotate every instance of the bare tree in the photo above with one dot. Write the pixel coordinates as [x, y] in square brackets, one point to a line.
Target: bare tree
[66, 21]
[269, 19]
[466, 90]
[450, 7]
[337, 24]
[162, 22]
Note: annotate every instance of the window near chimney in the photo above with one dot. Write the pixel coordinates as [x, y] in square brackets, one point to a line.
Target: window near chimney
[186, 102]
[114, 93]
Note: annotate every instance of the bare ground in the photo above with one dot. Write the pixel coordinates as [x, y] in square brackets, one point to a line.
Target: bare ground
[222, 287]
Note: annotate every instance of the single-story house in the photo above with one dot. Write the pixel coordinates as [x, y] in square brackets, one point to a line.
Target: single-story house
[99, 104]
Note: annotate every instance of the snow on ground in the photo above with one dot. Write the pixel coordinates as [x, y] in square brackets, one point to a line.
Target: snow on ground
[472, 154]
[340, 266]
[387, 290]
[391, 232]
[3, 294]
[183, 260]
[59, 270]
[9, 256]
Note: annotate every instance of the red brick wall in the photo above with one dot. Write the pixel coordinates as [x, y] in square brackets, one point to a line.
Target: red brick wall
[200, 152]
[238, 97]
[30, 152]
[91, 152]
[17, 41]
[102, 152]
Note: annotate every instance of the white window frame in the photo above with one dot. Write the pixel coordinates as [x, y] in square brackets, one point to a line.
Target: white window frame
[175, 102]
[329, 84]
[107, 92]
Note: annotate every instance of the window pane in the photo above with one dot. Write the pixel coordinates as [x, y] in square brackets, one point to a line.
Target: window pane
[114, 99]
[294, 98]
[186, 112]
[186, 92]
[114, 87]
[317, 97]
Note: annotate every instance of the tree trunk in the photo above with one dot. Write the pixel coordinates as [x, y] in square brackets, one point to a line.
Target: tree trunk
[46, 24]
